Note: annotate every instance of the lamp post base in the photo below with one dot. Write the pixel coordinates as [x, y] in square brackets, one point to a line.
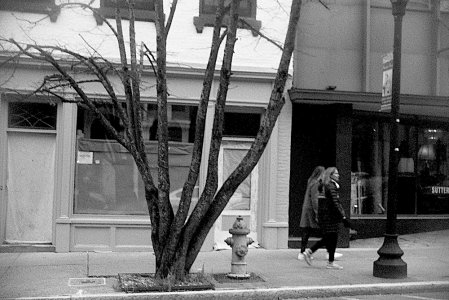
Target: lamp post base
[390, 264]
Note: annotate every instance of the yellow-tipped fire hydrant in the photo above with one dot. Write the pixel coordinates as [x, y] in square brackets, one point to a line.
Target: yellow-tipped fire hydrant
[239, 243]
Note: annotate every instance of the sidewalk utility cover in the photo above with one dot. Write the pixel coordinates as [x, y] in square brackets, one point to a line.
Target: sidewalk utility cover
[86, 281]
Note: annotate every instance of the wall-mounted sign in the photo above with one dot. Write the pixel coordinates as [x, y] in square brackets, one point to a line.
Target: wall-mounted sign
[436, 190]
[387, 67]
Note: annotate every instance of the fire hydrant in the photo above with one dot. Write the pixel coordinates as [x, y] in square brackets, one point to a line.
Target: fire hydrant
[239, 243]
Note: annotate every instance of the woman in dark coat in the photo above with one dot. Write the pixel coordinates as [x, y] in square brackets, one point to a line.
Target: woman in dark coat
[330, 215]
[309, 214]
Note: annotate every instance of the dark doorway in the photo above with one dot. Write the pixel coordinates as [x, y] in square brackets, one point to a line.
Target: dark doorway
[321, 135]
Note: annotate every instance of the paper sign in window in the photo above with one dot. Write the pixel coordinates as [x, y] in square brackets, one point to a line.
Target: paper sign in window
[85, 158]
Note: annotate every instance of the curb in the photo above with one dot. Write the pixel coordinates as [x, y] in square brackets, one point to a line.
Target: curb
[272, 293]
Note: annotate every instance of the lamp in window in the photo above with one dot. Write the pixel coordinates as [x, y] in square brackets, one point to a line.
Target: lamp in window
[406, 163]
[427, 152]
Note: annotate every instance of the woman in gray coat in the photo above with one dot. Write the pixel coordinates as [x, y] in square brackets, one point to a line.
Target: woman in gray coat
[309, 214]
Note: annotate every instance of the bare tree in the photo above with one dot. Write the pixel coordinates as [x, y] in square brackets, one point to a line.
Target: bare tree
[176, 238]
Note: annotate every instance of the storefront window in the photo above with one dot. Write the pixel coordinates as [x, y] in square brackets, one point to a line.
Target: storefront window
[107, 180]
[369, 166]
[423, 171]
[433, 172]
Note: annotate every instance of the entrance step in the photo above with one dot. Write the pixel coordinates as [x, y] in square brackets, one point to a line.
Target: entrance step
[295, 242]
[17, 248]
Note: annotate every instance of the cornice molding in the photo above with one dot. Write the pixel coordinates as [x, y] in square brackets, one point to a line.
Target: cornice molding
[184, 70]
[325, 97]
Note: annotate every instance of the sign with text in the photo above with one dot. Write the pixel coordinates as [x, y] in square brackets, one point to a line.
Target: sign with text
[387, 67]
[436, 190]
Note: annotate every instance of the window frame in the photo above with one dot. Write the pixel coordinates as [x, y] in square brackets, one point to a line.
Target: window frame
[210, 9]
[10, 99]
[207, 19]
[107, 10]
[47, 7]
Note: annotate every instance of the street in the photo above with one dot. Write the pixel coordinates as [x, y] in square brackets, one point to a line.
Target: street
[441, 295]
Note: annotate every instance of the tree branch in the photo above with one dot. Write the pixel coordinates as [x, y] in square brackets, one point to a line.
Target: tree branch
[84, 97]
[170, 16]
[261, 34]
[91, 64]
[94, 11]
[322, 3]
[151, 59]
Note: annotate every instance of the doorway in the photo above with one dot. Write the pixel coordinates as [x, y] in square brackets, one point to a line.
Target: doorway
[244, 201]
[321, 135]
[28, 174]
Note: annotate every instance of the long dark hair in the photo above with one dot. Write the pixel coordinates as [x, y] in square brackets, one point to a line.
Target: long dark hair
[316, 174]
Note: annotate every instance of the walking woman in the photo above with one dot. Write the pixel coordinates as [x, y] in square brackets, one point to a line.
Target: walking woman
[309, 214]
[330, 214]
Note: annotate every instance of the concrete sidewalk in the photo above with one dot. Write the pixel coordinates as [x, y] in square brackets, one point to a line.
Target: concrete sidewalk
[281, 275]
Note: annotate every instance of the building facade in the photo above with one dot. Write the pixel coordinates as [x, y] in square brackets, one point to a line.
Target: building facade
[340, 77]
[65, 187]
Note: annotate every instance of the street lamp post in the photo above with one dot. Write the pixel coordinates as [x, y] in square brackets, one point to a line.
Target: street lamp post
[389, 263]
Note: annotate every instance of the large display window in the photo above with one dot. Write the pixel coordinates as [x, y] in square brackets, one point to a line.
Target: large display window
[423, 171]
[107, 181]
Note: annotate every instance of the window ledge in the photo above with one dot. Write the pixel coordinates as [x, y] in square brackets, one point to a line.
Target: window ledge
[45, 131]
[32, 6]
[209, 20]
[140, 14]
[400, 217]
[108, 220]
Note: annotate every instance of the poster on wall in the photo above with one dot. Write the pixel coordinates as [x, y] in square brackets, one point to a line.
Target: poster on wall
[387, 76]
